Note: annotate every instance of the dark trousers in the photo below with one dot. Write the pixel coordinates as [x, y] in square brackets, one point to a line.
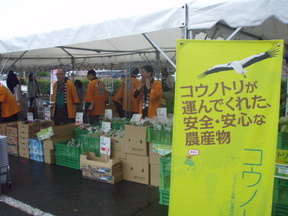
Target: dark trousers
[61, 117]
[94, 119]
[31, 100]
[10, 118]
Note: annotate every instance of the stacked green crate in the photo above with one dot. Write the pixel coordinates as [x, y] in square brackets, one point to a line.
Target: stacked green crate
[79, 132]
[165, 179]
[170, 106]
[282, 142]
[67, 155]
[90, 144]
[159, 136]
[280, 197]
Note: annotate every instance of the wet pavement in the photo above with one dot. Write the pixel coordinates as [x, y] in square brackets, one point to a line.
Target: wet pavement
[62, 191]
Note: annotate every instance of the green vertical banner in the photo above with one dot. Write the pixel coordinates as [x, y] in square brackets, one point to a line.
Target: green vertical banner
[226, 121]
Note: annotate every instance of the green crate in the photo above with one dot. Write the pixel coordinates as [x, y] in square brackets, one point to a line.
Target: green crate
[165, 180]
[72, 152]
[90, 144]
[159, 136]
[282, 142]
[68, 162]
[164, 197]
[170, 106]
[79, 132]
[280, 194]
[279, 210]
[166, 164]
[118, 125]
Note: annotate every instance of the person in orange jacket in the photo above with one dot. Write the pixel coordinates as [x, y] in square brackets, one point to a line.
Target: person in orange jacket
[124, 96]
[65, 98]
[9, 105]
[148, 93]
[96, 97]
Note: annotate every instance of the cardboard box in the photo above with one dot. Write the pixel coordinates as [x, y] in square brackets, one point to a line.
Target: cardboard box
[27, 134]
[34, 126]
[135, 140]
[63, 130]
[50, 143]
[103, 165]
[155, 175]
[12, 130]
[124, 168]
[46, 124]
[137, 168]
[50, 156]
[103, 178]
[23, 152]
[12, 149]
[118, 148]
[3, 129]
[12, 140]
[23, 143]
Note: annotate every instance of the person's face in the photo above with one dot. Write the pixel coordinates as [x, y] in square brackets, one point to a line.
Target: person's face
[60, 75]
[90, 77]
[144, 74]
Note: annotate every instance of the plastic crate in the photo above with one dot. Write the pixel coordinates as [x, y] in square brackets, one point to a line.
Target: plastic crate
[159, 136]
[280, 195]
[90, 144]
[68, 162]
[79, 132]
[164, 197]
[279, 210]
[165, 180]
[72, 152]
[282, 142]
[118, 125]
[170, 106]
[166, 164]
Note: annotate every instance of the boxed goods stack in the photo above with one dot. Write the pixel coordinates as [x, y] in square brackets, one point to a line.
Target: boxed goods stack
[11, 131]
[101, 169]
[165, 179]
[36, 150]
[137, 163]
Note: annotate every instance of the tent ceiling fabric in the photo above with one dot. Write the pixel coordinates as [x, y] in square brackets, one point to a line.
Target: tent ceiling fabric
[121, 40]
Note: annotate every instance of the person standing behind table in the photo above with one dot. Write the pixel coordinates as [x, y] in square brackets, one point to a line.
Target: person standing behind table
[167, 81]
[33, 89]
[149, 93]
[12, 81]
[125, 94]
[96, 94]
[81, 91]
[9, 105]
[65, 98]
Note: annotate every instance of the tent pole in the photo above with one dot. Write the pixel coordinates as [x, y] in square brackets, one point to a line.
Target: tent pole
[5, 63]
[234, 33]
[16, 60]
[158, 48]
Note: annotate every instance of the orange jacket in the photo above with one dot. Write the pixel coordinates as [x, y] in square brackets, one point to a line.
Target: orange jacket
[9, 103]
[126, 94]
[155, 99]
[96, 91]
[72, 98]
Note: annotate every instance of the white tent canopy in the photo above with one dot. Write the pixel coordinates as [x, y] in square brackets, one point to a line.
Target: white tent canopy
[125, 39]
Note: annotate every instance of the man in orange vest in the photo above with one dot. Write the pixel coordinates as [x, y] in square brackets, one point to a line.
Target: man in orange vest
[65, 98]
[95, 98]
[148, 93]
[9, 105]
[124, 96]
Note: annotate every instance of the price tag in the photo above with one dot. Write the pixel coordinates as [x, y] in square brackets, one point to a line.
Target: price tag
[136, 118]
[79, 118]
[162, 113]
[105, 145]
[108, 113]
[47, 114]
[106, 127]
[30, 116]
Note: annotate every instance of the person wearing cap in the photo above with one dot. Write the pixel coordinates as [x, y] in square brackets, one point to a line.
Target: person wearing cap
[8, 104]
[95, 98]
[148, 93]
[65, 98]
[123, 97]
